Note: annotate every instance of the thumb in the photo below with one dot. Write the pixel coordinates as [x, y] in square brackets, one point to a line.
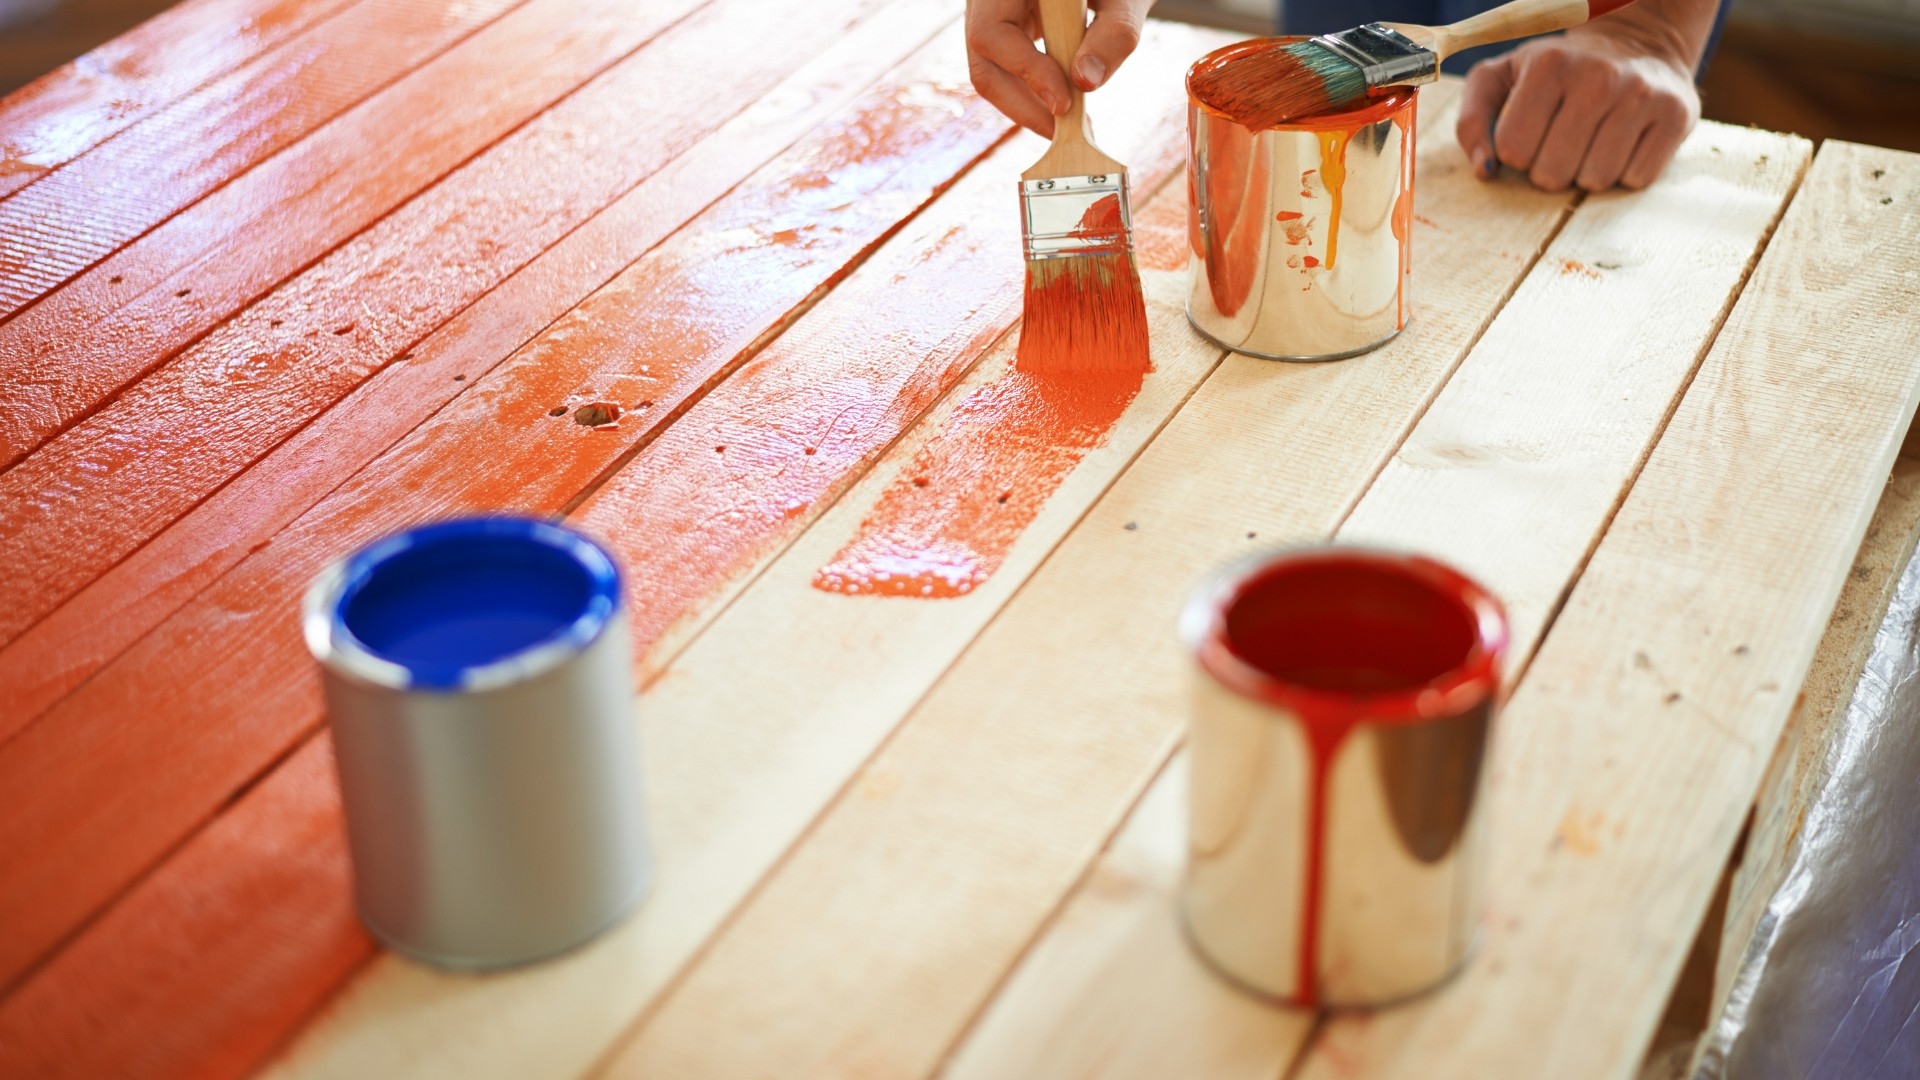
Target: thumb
[1488, 85]
[1110, 40]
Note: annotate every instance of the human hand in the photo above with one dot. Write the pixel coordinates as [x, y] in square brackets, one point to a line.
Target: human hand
[1603, 105]
[1020, 79]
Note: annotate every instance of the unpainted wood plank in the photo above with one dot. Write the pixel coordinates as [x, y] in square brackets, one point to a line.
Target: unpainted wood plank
[70, 219]
[123, 604]
[140, 755]
[1631, 752]
[1516, 467]
[1799, 768]
[400, 1016]
[81, 104]
[973, 781]
[193, 1001]
[106, 486]
[1113, 989]
[977, 742]
[88, 340]
[1483, 415]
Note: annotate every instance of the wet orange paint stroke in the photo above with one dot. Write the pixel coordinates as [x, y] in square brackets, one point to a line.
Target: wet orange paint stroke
[159, 988]
[70, 219]
[747, 470]
[81, 104]
[946, 524]
[120, 606]
[89, 340]
[102, 489]
[224, 686]
[802, 375]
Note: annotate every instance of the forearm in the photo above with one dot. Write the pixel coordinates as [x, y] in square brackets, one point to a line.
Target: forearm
[1674, 29]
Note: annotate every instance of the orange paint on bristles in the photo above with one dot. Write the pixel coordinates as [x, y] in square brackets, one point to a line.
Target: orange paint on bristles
[1273, 81]
[1086, 313]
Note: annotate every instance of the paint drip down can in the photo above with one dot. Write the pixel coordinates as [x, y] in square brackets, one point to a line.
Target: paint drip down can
[478, 680]
[1343, 700]
[1299, 232]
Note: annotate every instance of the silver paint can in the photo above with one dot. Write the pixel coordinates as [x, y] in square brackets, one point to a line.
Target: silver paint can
[1300, 233]
[1343, 700]
[478, 680]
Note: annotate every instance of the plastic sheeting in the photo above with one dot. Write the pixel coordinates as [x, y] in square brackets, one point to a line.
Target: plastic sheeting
[1830, 986]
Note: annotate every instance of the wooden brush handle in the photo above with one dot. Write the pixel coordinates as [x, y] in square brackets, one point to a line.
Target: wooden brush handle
[1521, 18]
[1063, 23]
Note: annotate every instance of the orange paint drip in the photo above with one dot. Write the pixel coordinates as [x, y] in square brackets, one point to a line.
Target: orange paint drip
[1403, 216]
[1333, 177]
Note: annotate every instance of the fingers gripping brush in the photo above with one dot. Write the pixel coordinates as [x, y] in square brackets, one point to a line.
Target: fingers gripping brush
[1335, 71]
[1084, 311]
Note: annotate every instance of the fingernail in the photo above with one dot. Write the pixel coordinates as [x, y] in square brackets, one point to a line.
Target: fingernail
[1488, 166]
[1092, 72]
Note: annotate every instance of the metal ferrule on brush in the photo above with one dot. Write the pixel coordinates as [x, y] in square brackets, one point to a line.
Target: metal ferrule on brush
[1056, 212]
[1385, 57]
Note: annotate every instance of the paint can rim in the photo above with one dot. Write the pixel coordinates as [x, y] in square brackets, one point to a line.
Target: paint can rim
[333, 642]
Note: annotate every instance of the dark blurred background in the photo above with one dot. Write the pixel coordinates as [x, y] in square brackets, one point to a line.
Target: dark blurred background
[1846, 69]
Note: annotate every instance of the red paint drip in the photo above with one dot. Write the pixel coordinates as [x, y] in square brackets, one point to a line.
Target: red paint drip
[1340, 637]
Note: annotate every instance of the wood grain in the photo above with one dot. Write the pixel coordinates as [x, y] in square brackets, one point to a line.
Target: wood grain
[69, 220]
[1510, 386]
[224, 686]
[1024, 771]
[123, 604]
[105, 487]
[161, 987]
[1632, 750]
[87, 341]
[81, 104]
[401, 1016]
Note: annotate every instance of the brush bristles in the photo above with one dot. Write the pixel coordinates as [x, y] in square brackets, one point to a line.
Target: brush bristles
[1274, 85]
[1085, 315]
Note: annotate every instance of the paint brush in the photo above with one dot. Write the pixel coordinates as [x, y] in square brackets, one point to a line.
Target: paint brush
[1085, 314]
[1333, 71]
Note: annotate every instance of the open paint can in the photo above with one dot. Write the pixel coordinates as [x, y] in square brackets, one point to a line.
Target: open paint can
[1299, 232]
[1342, 704]
[478, 678]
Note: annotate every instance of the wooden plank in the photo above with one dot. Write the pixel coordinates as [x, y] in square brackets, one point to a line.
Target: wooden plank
[844, 684]
[71, 218]
[109, 484]
[1517, 466]
[811, 414]
[1800, 766]
[192, 1000]
[1632, 750]
[1008, 777]
[1115, 957]
[88, 340]
[224, 687]
[123, 604]
[81, 104]
[401, 1016]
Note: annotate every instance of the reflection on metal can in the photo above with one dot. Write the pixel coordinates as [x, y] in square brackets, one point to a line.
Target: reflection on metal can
[1300, 232]
[1343, 702]
[478, 678]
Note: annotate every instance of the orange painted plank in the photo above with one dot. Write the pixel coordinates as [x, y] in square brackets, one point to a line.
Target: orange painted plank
[808, 416]
[141, 754]
[75, 216]
[119, 607]
[158, 987]
[89, 339]
[105, 487]
[79, 105]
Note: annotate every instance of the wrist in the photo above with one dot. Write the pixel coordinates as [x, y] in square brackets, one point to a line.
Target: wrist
[1640, 38]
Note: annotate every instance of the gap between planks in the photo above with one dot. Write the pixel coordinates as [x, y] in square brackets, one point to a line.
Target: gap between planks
[639, 951]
